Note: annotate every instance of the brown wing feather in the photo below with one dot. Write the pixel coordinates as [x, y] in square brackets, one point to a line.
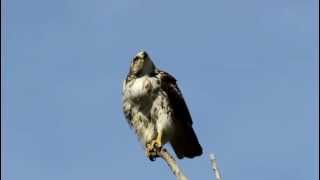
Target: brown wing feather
[184, 141]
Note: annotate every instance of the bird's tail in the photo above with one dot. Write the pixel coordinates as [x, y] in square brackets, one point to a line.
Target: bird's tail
[185, 142]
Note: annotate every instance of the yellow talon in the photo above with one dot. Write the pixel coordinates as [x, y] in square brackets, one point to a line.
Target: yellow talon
[149, 147]
[153, 147]
[157, 143]
[150, 152]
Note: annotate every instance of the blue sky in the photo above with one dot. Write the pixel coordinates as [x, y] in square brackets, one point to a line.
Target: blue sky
[247, 69]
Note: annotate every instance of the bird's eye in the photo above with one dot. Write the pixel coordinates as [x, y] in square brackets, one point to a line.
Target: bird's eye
[135, 59]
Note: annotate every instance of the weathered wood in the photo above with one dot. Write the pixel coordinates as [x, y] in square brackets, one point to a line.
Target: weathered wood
[215, 168]
[165, 155]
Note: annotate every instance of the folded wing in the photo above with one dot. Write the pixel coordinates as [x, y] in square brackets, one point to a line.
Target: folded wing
[184, 141]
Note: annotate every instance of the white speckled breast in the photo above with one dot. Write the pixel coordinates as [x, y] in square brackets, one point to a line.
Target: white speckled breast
[138, 98]
[142, 87]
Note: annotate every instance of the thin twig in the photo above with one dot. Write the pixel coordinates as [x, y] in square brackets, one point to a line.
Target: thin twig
[165, 155]
[215, 168]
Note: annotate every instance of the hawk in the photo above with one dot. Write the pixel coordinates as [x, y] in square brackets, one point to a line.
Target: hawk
[154, 107]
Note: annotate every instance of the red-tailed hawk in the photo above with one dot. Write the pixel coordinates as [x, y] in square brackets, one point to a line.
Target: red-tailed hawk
[155, 109]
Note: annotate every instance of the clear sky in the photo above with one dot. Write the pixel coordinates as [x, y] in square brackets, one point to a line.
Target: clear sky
[247, 69]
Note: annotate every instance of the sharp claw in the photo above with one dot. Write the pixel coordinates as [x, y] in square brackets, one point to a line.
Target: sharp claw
[152, 158]
[152, 149]
[152, 155]
[151, 152]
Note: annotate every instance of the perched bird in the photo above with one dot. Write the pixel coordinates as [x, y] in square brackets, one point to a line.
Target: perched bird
[154, 107]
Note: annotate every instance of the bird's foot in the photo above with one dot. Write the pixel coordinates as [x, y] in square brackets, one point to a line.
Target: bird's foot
[156, 144]
[151, 153]
[154, 147]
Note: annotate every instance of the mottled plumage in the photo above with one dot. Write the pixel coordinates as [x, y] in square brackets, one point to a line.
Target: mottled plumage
[155, 109]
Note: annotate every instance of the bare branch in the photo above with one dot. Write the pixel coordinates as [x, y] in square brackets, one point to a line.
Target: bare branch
[215, 167]
[165, 155]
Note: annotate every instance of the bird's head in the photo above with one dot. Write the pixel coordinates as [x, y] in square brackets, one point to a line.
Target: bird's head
[141, 65]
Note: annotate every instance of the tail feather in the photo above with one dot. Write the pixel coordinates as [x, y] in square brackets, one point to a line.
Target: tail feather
[185, 142]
